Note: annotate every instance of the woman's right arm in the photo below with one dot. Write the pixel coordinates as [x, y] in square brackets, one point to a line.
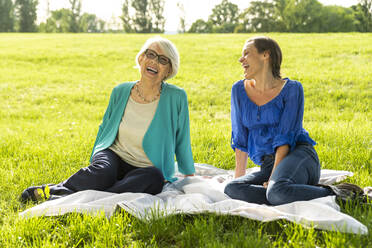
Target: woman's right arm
[240, 163]
[239, 133]
[105, 118]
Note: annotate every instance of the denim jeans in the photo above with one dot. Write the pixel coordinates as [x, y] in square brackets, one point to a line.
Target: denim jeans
[108, 172]
[294, 179]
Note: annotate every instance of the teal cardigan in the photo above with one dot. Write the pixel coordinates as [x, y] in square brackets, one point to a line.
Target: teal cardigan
[167, 135]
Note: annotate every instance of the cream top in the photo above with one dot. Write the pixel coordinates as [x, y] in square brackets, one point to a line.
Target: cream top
[133, 126]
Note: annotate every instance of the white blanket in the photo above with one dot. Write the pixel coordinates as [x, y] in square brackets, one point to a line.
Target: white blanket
[204, 194]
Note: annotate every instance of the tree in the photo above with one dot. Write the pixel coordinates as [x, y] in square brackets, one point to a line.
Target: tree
[89, 23]
[337, 19]
[59, 22]
[143, 16]
[224, 17]
[302, 15]
[71, 20]
[182, 25]
[26, 14]
[259, 17]
[6, 16]
[157, 7]
[280, 14]
[201, 26]
[363, 15]
[75, 16]
[142, 20]
[101, 26]
[127, 20]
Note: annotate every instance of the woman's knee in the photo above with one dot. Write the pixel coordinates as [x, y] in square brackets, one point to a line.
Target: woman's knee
[229, 189]
[154, 179]
[103, 169]
[155, 173]
[232, 190]
[276, 193]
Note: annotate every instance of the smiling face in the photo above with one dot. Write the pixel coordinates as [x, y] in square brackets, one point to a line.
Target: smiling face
[151, 69]
[252, 61]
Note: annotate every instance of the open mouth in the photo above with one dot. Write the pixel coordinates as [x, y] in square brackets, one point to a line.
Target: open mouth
[152, 70]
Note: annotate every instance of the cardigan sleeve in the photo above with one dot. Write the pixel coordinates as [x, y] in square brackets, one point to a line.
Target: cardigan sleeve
[105, 119]
[239, 133]
[183, 144]
[290, 124]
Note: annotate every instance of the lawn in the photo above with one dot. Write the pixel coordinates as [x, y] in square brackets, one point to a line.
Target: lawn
[54, 89]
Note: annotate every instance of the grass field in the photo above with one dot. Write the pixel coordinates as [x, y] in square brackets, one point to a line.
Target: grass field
[54, 89]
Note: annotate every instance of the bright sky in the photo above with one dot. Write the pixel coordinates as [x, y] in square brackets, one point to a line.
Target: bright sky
[110, 10]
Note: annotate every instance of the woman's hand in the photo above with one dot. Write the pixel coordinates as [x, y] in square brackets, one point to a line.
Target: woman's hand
[265, 184]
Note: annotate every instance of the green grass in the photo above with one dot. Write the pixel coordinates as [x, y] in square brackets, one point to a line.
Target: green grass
[54, 89]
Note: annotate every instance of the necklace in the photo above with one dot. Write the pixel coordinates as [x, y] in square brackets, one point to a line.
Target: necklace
[140, 94]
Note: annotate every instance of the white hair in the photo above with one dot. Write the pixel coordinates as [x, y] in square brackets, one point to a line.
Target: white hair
[169, 50]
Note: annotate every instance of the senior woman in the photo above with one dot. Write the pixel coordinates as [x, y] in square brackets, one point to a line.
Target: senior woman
[266, 117]
[145, 125]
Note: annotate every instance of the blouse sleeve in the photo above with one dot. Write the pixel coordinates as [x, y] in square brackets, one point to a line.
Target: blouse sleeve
[239, 133]
[183, 142]
[290, 123]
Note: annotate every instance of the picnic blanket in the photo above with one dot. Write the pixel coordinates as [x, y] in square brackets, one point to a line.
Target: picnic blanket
[204, 194]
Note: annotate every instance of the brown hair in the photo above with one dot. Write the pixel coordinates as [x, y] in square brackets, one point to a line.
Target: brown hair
[263, 44]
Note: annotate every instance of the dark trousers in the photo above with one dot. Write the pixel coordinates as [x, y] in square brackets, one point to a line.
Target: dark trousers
[108, 172]
[294, 179]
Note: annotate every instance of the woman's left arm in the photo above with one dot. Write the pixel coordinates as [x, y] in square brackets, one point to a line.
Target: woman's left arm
[183, 151]
[289, 125]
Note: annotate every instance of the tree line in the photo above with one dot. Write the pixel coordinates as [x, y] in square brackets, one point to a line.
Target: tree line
[286, 16]
[20, 16]
[146, 16]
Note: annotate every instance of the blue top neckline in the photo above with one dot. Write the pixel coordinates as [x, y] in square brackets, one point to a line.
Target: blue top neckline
[272, 100]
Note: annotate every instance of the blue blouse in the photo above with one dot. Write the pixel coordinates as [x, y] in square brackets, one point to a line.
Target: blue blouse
[259, 130]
